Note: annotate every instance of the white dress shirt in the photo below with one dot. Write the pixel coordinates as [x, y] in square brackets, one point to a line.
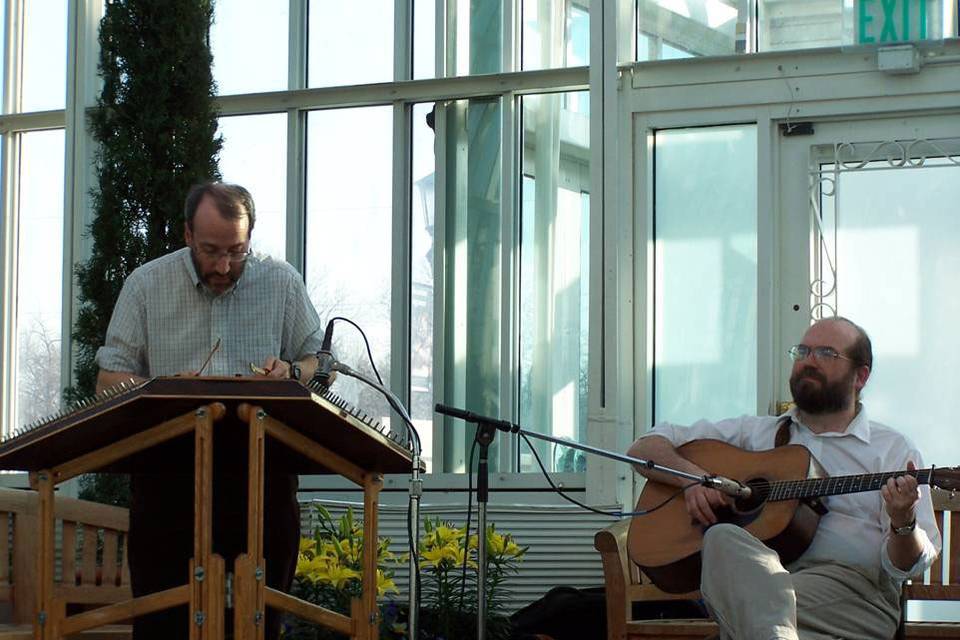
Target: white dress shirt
[856, 528]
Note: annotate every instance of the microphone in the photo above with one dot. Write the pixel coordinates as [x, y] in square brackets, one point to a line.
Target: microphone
[469, 416]
[728, 486]
[325, 359]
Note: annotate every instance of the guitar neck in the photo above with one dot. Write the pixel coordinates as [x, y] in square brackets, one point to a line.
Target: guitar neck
[836, 485]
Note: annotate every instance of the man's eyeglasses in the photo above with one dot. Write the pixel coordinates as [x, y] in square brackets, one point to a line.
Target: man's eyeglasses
[235, 257]
[800, 352]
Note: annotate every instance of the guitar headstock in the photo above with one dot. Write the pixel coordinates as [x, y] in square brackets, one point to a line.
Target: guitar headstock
[946, 478]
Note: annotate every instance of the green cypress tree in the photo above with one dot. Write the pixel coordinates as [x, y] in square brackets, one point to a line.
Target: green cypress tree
[155, 125]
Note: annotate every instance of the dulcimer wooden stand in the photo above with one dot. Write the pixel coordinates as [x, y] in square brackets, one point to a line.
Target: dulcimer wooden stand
[321, 434]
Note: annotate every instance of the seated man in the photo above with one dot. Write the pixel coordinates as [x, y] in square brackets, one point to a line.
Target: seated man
[847, 583]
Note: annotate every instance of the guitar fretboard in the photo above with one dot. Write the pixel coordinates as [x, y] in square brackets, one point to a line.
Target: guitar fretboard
[836, 485]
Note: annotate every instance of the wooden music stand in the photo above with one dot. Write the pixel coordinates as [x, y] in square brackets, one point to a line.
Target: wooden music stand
[319, 432]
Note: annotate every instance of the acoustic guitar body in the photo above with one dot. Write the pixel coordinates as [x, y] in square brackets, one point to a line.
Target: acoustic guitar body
[666, 544]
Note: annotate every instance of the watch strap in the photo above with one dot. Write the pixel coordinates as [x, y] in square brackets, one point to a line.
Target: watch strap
[906, 529]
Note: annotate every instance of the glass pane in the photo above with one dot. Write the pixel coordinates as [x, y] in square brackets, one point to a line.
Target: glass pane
[474, 37]
[897, 253]
[705, 315]
[248, 39]
[348, 252]
[555, 34]
[350, 42]
[424, 39]
[804, 25]
[39, 272]
[421, 276]
[254, 155]
[684, 28]
[44, 82]
[472, 251]
[554, 278]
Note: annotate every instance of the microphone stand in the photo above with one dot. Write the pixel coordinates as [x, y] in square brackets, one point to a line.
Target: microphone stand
[484, 437]
[486, 430]
[415, 492]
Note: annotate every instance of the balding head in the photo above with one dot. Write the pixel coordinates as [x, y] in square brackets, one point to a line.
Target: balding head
[856, 343]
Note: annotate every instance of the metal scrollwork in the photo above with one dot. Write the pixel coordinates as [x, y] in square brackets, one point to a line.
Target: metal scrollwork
[825, 170]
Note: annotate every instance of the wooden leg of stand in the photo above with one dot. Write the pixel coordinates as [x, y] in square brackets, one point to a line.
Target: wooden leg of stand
[202, 526]
[244, 597]
[250, 569]
[369, 626]
[214, 597]
[56, 617]
[43, 623]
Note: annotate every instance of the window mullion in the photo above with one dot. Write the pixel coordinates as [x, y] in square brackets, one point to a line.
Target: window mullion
[12, 55]
[297, 49]
[510, 274]
[509, 10]
[439, 276]
[8, 252]
[83, 22]
[402, 40]
[400, 286]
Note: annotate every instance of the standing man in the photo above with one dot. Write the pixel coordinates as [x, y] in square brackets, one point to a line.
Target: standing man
[847, 583]
[170, 313]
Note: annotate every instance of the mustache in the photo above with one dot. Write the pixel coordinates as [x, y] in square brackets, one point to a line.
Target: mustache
[810, 372]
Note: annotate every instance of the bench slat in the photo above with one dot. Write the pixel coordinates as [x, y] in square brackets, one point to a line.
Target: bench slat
[954, 577]
[69, 558]
[88, 558]
[4, 548]
[110, 571]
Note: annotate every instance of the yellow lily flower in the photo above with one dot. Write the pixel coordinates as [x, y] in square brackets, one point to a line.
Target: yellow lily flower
[385, 584]
[339, 576]
[446, 534]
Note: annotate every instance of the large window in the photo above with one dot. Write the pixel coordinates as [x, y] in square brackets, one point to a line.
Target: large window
[348, 238]
[705, 287]
[44, 53]
[350, 42]
[554, 278]
[249, 43]
[254, 154]
[449, 220]
[39, 279]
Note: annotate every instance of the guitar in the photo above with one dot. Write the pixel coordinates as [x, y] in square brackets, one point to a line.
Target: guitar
[782, 510]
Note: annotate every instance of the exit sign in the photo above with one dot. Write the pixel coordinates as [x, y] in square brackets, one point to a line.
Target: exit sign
[892, 21]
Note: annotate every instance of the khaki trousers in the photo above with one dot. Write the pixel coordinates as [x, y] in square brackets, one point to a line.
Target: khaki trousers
[753, 597]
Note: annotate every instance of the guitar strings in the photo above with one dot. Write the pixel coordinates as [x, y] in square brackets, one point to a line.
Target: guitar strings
[781, 487]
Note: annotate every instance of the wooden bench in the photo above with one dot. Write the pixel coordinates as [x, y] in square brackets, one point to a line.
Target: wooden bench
[93, 561]
[626, 584]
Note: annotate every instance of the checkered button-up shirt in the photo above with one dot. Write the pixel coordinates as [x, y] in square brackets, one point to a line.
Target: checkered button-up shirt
[166, 321]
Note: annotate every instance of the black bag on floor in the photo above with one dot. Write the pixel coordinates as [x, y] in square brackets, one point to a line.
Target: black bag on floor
[566, 613]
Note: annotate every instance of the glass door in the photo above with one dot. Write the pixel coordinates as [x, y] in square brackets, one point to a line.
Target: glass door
[870, 231]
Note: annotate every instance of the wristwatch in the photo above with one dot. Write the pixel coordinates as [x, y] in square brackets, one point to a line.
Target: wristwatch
[294, 370]
[906, 529]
